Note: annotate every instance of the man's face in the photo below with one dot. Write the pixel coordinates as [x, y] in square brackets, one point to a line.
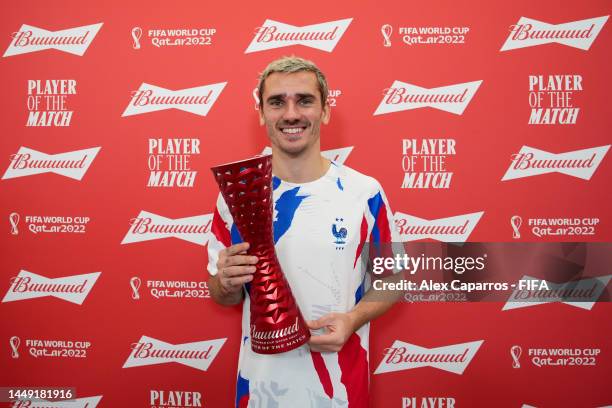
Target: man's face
[292, 111]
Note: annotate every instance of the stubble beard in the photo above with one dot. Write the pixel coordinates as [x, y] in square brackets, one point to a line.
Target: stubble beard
[297, 150]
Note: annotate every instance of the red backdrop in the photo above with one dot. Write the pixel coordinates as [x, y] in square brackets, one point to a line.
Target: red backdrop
[98, 208]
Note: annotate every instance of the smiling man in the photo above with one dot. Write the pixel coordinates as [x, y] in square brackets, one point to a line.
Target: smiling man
[324, 214]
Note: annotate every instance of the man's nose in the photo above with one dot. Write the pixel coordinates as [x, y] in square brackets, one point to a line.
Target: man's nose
[291, 112]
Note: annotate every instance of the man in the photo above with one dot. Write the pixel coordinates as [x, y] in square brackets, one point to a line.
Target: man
[323, 215]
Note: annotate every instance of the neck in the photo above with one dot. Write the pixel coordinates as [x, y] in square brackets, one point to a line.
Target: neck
[304, 168]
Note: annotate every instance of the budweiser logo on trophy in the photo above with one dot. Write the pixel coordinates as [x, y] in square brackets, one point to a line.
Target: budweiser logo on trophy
[277, 324]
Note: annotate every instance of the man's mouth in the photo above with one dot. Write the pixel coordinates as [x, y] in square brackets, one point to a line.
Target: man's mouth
[293, 130]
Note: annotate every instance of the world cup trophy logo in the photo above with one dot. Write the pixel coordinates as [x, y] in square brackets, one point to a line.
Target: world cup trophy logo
[516, 222]
[14, 220]
[516, 352]
[256, 98]
[135, 284]
[386, 31]
[277, 325]
[136, 34]
[14, 342]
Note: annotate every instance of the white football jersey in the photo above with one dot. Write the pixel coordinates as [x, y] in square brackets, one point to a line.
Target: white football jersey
[320, 229]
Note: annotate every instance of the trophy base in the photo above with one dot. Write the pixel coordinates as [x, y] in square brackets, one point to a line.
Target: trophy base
[275, 340]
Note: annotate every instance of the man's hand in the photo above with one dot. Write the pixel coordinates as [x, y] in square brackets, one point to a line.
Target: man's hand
[339, 327]
[234, 269]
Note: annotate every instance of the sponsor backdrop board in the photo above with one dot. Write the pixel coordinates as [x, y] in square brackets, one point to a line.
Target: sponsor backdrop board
[483, 121]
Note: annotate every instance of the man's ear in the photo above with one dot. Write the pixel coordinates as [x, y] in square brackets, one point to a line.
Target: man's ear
[261, 117]
[326, 113]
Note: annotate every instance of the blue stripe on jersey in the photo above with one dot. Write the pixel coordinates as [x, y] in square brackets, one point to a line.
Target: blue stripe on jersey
[339, 183]
[236, 238]
[242, 388]
[286, 205]
[275, 182]
[360, 291]
[374, 204]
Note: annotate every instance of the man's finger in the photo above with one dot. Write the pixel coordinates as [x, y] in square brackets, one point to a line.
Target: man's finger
[241, 270]
[240, 260]
[321, 322]
[240, 280]
[323, 339]
[315, 324]
[232, 284]
[236, 249]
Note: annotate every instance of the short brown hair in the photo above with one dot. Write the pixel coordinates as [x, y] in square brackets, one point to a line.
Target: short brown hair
[290, 65]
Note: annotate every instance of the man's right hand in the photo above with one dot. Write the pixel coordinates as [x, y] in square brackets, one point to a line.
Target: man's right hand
[234, 269]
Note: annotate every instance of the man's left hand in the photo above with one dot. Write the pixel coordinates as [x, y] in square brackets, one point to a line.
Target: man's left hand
[339, 327]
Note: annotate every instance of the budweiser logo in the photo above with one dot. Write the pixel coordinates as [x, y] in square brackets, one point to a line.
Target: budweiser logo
[149, 351]
[28, 285]
[151, 98]
[403, 96]
[72, 40]
[273, 34]
[405, 356]
[533, 162]
[275, 334]
[337, 155]
[86, 402]
[148, 226]
[27, 162]
[578, 34]
[581, 293]
[450, 229]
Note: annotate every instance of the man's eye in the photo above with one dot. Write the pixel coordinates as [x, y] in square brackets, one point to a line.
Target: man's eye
[276, 102]
[306, 101]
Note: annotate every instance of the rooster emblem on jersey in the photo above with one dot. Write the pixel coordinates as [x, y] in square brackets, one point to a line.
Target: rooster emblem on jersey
[339, 234]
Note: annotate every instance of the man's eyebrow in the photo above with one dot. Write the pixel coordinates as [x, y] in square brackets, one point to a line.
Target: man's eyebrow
[275, 97]
[284, 95]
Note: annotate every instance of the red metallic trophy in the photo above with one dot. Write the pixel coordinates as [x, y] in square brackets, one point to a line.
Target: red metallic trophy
[277, 324]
